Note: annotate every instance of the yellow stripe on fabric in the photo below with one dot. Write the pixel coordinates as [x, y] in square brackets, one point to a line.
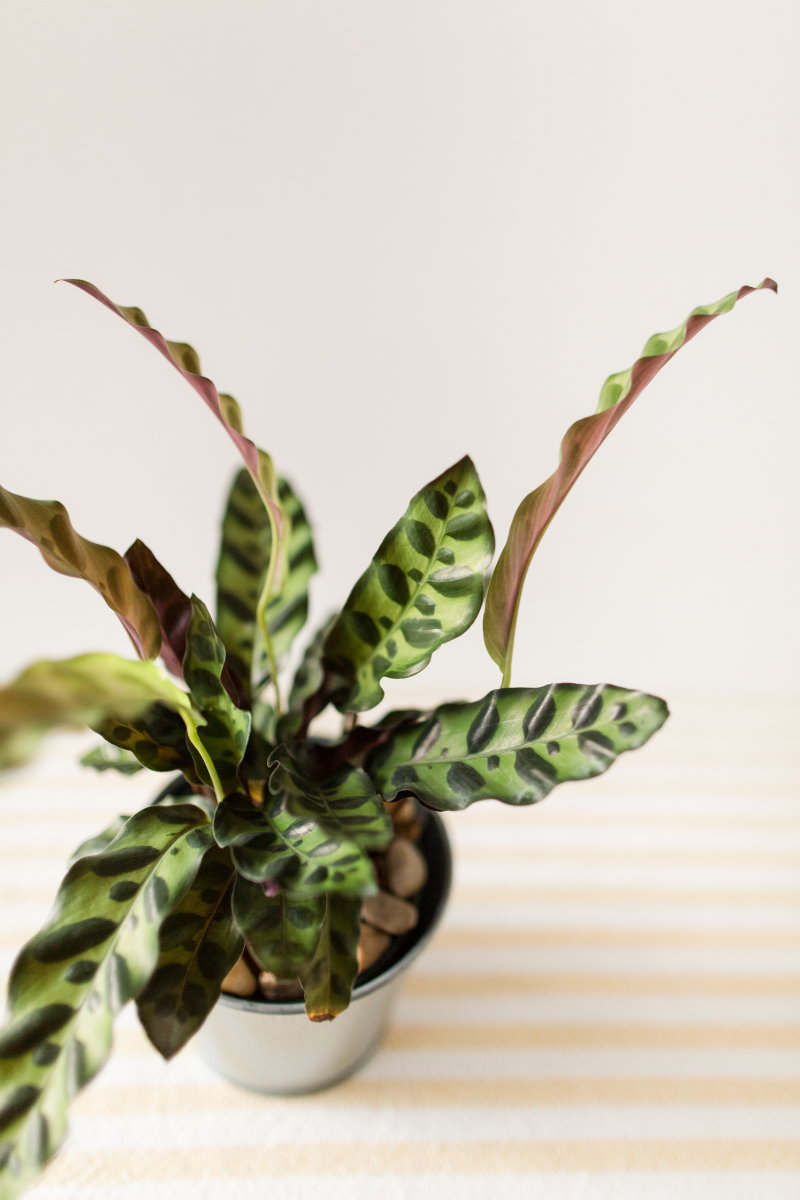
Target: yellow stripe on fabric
[527, 939]
[417, 1158]
[541, 983]
[102, 1100]
[612, 893]
[539, 1035]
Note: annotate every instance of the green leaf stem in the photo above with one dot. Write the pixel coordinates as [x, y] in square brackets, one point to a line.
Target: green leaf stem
[198, 945]
[282, 931]
[423, 588]
[96, 952]
[580, 443]
[227, 728]
[515, 745]
[328, 983]
[46, 523]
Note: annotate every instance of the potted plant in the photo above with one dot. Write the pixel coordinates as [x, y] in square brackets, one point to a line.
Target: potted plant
[278, 869]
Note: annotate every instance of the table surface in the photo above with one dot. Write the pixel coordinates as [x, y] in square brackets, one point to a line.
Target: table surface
[611, 1008]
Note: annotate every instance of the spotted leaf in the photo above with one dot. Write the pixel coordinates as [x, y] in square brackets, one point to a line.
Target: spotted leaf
[515, 745]
[198, 945]
[96, 952]
[100, 841]
[423, 588]
[580, 443]
[46, 523]
[345, 802]
[87, 690]
[280, 843]
[307, 683]
[328, 983]
[157, 740]
[226, 728]
[111, 758]
[282, 931]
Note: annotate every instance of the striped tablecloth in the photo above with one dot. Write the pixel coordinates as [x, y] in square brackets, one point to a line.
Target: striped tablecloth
[611, 1009]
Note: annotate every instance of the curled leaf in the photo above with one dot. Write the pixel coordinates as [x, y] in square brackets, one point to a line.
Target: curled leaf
[580, 443]
[46, 523]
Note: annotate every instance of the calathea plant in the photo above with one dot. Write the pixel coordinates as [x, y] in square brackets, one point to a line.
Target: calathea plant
[271, 847]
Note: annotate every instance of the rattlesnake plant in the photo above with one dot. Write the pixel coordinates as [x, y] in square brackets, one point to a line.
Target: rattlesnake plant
[272, 844]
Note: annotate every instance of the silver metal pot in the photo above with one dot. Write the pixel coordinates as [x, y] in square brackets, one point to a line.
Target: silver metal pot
[274, 1048]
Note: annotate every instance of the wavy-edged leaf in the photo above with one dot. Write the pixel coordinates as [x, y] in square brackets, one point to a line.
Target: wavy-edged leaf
[226, 727]
[173, 607]
[307, 683]
[96, 952]
[157, 740]
[516, 744]
[287, 610]
[282, 932]
[345, 801]
[241, 575]
[106, 757]
[86, 690]
[287, 847]
[328, 983]
[580, 443]
[46, 523]
[198, 945]
[99, 841]
[186, 361]
[423, 588]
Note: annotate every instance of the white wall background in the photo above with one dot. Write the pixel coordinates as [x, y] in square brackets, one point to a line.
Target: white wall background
[399, 232]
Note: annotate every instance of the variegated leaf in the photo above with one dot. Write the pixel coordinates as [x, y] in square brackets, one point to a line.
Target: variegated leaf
[111, 758]
[515, 745]
[185, 360]
[307, 683]
[241, 575]
[198, 945]
[100, 841]
[580, 443]
[423, 588]
[157, 740]
[277, 843]
[345, 801]
[282, 931]
[226, 727]
[96, 952]
[86, 690]
[46, 523]
[328, 983]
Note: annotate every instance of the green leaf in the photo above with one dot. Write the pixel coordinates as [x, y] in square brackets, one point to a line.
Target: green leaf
[580, 443]
[287, 610]
[157, 740]
[198, 945]
[328, 983]
[423, 588]
[345, 802]
[108, 758]
[96, 952]
[280, 842]
[87, 690]
[281, 931]
[226, 728]
[100, 841]
[46, 523]
[515, 745]
[308, 680]
[241, 575]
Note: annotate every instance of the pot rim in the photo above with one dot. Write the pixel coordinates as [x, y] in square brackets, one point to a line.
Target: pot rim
[273, 1008]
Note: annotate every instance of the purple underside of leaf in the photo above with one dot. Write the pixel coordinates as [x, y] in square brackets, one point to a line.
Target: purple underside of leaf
[537, 510]
[203, 386]
[46, 524]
